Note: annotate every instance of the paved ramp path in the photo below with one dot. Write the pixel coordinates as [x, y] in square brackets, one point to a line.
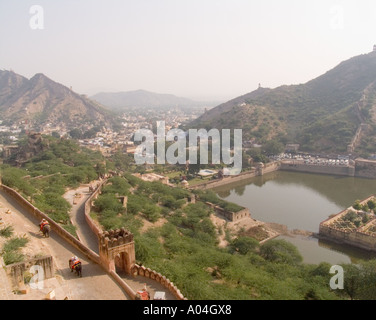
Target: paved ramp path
[88, 238]
[95, 284]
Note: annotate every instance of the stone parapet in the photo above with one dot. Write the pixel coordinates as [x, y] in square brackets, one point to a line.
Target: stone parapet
[110, 240]
[156, 276]
[55, 227]
[115, 238]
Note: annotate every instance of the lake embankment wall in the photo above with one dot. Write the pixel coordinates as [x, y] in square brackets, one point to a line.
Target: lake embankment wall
[361, 169]
[318, 169]
[259, 170]
[360, 237]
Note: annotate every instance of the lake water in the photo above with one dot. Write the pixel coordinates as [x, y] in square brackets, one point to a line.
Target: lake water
[302, 201]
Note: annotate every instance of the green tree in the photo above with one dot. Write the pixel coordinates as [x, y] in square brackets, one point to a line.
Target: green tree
[109, 202]
[357, 205]
[75, 134]
[352, 281]
[280, 251]
[152, 212]
[273, 147]
[368, 280]
[371, 204]
[243, 245]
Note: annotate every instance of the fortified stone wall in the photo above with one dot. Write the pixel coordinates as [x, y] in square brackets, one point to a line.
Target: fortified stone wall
[365, 168]
[271, 167]
[333, 170]
[71, 239]
[88, 205]
[231, 179]
[154, 275]
[135, 269]
[54, 226]
[262, 169]
[358, 238]
[116, 248]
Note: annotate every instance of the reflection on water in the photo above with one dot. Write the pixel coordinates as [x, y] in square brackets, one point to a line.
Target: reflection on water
[313, 252]
[302, 201]
[316, 251]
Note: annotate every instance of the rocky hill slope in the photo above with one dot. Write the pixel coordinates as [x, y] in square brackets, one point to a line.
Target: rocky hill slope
[323, 114]
[41, 101]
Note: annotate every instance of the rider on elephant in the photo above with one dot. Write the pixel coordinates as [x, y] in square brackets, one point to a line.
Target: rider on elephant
[43, 223]
[74, 261]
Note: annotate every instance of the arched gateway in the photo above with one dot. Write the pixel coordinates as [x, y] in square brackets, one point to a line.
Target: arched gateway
[116, 249]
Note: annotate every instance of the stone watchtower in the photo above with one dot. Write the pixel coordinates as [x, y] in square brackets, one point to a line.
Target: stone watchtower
[116, 249]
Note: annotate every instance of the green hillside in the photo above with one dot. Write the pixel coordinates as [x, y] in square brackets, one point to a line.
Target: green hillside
[180, 241]
[321, 115]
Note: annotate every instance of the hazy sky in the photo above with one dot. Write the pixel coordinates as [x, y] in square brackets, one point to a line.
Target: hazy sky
[201, 49]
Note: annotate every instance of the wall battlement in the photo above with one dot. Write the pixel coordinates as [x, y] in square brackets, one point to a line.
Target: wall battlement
[116, 247]
[115, 238]
[126, 238]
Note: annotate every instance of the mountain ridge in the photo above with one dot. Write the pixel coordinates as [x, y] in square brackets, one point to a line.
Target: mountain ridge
[41, 100]
[122, 100]
[320, 115]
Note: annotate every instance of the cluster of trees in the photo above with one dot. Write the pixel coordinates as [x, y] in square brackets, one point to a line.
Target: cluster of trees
[44, 178]
[211, 196]
[363, 217]
[110, 211]
[359, 281]
[185, 248]
[355, 218]
[369, 206]
[150, 199]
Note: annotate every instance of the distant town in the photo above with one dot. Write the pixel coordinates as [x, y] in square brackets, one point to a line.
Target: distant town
[105, 140]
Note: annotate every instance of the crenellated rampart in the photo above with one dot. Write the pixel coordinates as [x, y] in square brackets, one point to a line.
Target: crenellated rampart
[156, 276]
[124, 239]
[114, 239]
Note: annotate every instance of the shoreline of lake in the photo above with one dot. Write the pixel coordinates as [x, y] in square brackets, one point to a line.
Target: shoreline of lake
[297, 203]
